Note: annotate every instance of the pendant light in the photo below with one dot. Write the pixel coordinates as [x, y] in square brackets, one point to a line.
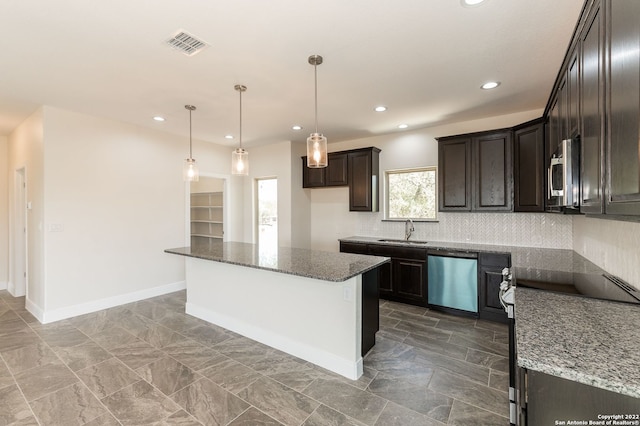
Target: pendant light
[316, 143]
[240, 157]
[190, 168]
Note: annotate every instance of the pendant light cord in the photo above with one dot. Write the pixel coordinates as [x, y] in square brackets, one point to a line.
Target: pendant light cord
[315, 75]
[240, 118]
[190, 151]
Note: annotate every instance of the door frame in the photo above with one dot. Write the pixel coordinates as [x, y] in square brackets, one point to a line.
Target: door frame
[19, 248]
[225, 211]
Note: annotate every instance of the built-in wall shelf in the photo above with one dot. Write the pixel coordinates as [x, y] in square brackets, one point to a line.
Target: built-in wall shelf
[206, 218]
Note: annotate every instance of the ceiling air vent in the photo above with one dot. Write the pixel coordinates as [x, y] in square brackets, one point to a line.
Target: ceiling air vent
[186, 43]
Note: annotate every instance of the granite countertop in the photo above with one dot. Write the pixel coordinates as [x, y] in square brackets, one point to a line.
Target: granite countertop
[543, 264]
[590, 341]
[327, 266]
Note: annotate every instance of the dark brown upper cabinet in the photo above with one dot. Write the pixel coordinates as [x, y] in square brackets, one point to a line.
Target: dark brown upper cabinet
[358, 169]
[601, 74]
[335, 174]
[363, 177]
[312, 177]
[492, 167]
[454, 174]
[592, 117]
[573, 95]
[529, 167]
[336, 171]
[623, 115]
[475, 172]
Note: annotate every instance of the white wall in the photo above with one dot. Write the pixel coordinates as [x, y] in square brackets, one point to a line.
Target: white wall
[279, 161]
[108, 198]
[613, 245]
[300, 200]
[331, 219]
[4, 212]
[26, 151]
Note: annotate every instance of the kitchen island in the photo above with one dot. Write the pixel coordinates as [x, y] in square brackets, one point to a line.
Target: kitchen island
[318, 306]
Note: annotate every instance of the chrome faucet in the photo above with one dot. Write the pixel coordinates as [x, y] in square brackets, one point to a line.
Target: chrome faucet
[408, 229]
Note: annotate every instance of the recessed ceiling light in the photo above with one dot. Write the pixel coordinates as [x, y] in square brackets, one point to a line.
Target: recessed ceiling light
[471, 3]
[228, 136]
[490, 85]
[402, 126]
[296, 127]
[158, 118]
[381, 108]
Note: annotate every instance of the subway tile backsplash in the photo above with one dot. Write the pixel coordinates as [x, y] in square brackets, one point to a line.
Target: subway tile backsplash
[513, 229]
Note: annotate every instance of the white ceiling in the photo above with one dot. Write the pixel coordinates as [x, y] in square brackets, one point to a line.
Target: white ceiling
[424, 59]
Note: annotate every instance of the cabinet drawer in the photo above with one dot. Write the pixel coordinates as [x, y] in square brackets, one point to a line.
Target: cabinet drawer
[357, 248]
[398, 252]
[497, 260]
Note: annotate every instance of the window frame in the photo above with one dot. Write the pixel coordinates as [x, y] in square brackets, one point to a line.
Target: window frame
[387, 192]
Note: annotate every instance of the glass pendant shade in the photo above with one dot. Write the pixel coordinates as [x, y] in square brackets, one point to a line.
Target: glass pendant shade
[240, 162]
[316, 151]
[190, 170]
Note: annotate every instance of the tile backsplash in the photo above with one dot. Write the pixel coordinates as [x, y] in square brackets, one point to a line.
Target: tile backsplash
[513, 229]
[612, 245]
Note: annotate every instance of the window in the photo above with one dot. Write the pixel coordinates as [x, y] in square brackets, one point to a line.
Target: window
[411, 194]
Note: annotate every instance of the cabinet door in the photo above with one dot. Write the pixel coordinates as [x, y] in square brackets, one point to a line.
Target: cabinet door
[528, 170]
[489, 279]
[553, 131]
[363, 180]
[454, 174]
[592, 122]
[493, 179]
[336, 173]
[573, 94]
[312, 178]
[623, 148]
[410, 279]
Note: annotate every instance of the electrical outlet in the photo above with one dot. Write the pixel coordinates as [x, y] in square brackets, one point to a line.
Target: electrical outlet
[347, 294]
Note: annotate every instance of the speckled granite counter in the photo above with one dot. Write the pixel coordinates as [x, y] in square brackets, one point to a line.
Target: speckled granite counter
[532, 263]
[325, 266]
[590, 341]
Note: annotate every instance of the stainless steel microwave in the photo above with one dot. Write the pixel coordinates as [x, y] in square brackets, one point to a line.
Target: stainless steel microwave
[564, 175]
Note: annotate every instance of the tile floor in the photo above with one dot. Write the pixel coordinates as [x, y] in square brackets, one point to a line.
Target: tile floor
[150, 363]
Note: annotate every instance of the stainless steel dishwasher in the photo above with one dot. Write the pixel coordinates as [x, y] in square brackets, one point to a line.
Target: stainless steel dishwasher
[453, 280]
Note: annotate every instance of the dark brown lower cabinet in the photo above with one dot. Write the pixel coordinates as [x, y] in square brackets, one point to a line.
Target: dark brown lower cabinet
[490, 266]
[410, 279]
[370, 309]
[404, 279]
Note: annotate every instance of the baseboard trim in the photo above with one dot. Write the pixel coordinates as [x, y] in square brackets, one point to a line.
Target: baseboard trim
[34, 309]
[344, 367]
[4, 285]
[109, 302]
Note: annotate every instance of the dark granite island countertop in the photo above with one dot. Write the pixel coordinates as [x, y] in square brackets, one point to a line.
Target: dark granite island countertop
[586, 340]
[327, 266]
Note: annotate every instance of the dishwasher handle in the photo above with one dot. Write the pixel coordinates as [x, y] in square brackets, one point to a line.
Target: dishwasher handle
[451, 253]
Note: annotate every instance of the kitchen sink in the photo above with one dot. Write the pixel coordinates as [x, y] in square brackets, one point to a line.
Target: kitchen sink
[403, 241]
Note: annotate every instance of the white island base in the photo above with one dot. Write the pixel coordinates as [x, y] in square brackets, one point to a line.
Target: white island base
[315, 320]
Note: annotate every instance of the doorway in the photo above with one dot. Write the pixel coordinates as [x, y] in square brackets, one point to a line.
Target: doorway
[18, 279]
[207, 211]
[267, 214]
